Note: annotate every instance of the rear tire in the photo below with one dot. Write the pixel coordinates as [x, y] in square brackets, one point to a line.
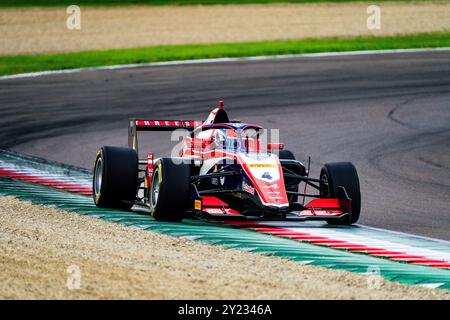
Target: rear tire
[170, 190]
[115, 178]
[342, 174]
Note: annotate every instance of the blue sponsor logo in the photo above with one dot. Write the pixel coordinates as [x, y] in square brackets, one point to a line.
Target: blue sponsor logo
[267, 176]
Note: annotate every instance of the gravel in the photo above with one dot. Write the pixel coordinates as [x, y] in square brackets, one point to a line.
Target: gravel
[43, 30]
[40, 247]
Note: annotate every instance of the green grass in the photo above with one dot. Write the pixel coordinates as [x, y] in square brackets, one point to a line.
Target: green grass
[59, 3]
[30, 63]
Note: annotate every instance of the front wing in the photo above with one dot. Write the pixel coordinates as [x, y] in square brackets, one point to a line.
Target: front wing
[318, 209]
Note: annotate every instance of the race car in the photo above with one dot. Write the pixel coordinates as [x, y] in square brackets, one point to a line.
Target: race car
[222, 170]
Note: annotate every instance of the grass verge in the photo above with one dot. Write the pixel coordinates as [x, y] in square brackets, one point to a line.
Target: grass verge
[31, 63]
[65, 3]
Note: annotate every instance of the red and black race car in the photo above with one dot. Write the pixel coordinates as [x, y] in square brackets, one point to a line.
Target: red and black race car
[222, 170]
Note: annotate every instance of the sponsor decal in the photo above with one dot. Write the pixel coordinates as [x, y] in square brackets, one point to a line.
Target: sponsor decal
[215, 181]
[197, 205]
[267, 176]
[168, 123]
[274, 186]
[214, 211]
[222, 180]
[247, 188]
[262, 165]
[160, 173]
[149, 169]
[220, 211]
[156, 123]
[192, 123]
[275, 198]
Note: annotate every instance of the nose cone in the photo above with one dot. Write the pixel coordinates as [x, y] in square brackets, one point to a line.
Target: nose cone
[265, 172]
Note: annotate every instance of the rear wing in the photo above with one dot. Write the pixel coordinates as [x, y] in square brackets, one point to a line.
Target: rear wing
[135, 125]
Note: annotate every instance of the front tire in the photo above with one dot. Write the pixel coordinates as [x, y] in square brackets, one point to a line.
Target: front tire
[286, 154]
[336, 174]
[115, 178]
[170, 190]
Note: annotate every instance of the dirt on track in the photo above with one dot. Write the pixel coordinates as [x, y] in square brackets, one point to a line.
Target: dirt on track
[43, 30]
[39, 244]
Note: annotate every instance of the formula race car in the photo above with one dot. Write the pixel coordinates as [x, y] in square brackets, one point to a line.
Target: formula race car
[222, 170]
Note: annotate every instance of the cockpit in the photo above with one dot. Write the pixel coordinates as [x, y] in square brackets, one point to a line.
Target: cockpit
[231, 137]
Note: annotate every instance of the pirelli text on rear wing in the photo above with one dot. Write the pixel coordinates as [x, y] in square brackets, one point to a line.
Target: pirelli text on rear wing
[135, 125]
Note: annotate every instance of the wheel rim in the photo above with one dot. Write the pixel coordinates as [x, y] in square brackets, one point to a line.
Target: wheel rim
[98, 176]
[155, 188]
[325, 186]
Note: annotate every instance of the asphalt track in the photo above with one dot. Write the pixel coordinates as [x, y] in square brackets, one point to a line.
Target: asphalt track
[387, 113]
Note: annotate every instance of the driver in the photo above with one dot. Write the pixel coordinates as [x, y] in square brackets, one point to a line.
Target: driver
[225, 139]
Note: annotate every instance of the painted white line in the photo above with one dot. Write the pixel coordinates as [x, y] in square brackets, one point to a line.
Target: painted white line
[445, 242]
[389, 244]
[431, 285]
[220, 60]
[192, 237]
[44, 174]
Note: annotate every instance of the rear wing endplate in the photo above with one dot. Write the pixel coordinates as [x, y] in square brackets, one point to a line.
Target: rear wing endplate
[136, 125]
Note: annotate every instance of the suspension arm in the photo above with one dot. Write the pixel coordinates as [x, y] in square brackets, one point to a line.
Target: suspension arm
[307, 180]
[303, 194]
[215, 175]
